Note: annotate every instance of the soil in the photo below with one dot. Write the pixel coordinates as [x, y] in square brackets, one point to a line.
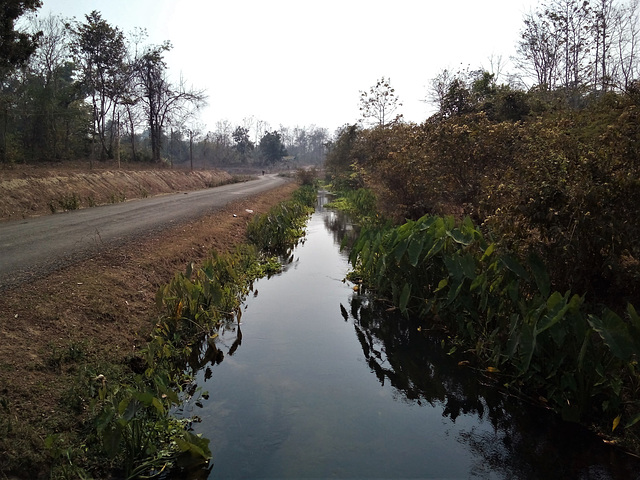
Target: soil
[98, 311]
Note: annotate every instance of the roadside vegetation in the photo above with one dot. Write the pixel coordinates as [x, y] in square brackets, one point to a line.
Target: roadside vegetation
[128, 428]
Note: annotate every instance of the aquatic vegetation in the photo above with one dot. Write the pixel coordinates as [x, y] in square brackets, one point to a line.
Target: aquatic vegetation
[278, 230]
[359, 204]
[577, 358]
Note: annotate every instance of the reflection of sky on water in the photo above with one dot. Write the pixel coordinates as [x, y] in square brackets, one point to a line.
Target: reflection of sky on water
[298, 398]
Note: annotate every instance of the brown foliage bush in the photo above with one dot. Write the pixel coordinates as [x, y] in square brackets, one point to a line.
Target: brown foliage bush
[564, 184]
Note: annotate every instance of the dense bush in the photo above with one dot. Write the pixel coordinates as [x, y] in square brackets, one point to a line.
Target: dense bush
[561, 183]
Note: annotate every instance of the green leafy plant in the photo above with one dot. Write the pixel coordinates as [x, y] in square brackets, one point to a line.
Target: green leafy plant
[503, 312]
[278, 230]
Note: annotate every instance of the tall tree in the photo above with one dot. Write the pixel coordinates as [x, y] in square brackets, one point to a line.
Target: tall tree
[602, 28]
[62, 119]
[380, 103]
[243, 144]
[100, 53]
[272, 149]
[570, 22]
[626, 38]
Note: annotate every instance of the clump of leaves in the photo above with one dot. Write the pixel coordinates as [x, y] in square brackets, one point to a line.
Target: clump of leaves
[278, 230]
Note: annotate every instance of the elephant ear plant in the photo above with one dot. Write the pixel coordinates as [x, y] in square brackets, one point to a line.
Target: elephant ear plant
[577, 359]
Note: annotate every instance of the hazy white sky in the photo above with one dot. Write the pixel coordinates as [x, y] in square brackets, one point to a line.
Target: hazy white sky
[303, 62]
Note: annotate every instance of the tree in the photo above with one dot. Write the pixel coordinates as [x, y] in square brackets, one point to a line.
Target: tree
[100, 52]
[603, 18]
[243, 144]
[537, 50]
[15, 46]
[570, 21]
[626, 38]
[271, 148]
[380, 103]
[62, 119]
[163, 102]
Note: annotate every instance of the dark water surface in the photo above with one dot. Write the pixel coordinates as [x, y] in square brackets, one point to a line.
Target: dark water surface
[319, 384]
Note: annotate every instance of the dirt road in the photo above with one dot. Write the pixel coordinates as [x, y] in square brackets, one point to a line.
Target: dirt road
[33, 247]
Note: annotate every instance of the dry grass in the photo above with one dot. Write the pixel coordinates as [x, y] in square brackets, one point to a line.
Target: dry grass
[32, 191]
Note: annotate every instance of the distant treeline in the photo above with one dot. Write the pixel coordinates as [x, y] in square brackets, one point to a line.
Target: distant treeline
[82, 90]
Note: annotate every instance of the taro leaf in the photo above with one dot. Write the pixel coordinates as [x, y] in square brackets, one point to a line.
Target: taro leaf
[454, 290]
[460, 237]
[557, 310]
[512, 264]
[635, 320]
[189, 271]
[514, 335]
[145, 398]
[633, 421]
[468, 265]
[540, 274]
[195, 445]
[527, 346]
[583, 349]
[158, 404]
[128, 408]
[454, 267]
[435, 248]
[414, 251]
[400, 248]
[479, 281]
[111, 440]
[614, 333]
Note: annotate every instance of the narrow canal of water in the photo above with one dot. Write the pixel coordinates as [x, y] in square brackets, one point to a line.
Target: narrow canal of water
[315, 383]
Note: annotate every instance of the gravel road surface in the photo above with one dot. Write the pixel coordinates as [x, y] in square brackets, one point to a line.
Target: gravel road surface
[34, 247]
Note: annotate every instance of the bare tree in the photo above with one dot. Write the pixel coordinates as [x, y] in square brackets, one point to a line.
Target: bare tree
[380, 103]
[602, 28]
[194, 130]
[538, 50]
[626, 40]
[163, 102]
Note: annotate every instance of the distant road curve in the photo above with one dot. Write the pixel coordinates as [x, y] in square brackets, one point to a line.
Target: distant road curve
[33, 247]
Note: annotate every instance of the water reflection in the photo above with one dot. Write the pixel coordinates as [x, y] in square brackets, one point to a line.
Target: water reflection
[524, 443]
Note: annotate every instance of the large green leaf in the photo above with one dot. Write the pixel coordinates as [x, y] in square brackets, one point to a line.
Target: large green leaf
[468, 264]
[557, 308]
[460, 237]
[614, 333]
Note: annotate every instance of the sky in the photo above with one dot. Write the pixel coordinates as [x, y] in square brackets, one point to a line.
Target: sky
[305, 62]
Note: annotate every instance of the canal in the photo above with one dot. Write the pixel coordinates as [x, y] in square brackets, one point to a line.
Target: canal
[317, 381]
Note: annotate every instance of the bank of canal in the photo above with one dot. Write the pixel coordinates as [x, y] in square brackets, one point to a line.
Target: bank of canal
[315, 383]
